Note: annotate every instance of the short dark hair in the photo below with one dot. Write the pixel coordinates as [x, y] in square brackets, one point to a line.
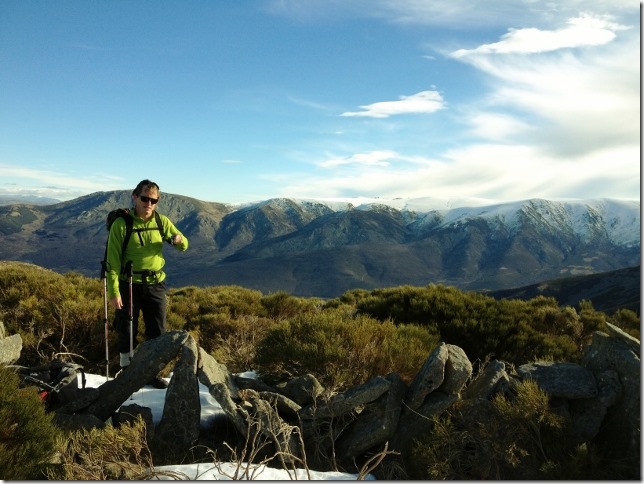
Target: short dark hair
[145, 185]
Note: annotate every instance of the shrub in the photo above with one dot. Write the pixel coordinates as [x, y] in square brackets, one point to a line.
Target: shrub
[104, 454]
[349, 350]
[232, 342]
[513, 330]
[628, 321]
[27, 432]
[521, 438]
[280, 305]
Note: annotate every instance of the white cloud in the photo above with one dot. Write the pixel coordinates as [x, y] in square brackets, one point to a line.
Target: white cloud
[577, 100]
[372, 158]
[43, 182]
[422, 102]
[496, 126]
[581, 31]
[491, 171]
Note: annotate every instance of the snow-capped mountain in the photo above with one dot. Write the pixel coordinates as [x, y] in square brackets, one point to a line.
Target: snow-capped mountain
[325, 247]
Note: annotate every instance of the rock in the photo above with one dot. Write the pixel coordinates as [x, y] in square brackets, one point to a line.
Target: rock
[181, 419]
[631, 342]
[347, 401]
[151, 357]
[622, 436]
[610, 388]
[244, 383]
[83, 399]
[223, 389]
[77, 421]
[128, 414]
[303, 390]
[285, 406]
[429, 378]
[10, 348]
[376, 424]
[568, 380]
[281, 434]
[458, 370]
[486, 384]
[416, 422]
[587, 415]
[475, 411]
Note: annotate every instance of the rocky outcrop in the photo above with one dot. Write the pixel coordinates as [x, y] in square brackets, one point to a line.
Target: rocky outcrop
[601, 395]
[10, 347]
[615, 359]
[181, 419]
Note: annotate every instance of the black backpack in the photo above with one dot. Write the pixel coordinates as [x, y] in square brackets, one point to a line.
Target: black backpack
[56, 382]
[127, 216]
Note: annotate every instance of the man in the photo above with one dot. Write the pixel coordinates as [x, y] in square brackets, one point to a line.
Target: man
[144, 254]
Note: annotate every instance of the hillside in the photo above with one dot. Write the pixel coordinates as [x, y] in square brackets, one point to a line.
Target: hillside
[324, 248]
[608, 291]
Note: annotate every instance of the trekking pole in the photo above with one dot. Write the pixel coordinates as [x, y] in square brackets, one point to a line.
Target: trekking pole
[107, 351]
[130, 309]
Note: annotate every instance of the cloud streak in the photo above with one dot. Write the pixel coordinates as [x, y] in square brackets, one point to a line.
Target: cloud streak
[52, 183]
[560, 120]
[423, 102]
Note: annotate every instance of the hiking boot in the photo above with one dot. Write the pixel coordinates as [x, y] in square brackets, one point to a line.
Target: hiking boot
[158, 382]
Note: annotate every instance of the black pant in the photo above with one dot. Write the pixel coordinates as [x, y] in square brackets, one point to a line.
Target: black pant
[150, 299]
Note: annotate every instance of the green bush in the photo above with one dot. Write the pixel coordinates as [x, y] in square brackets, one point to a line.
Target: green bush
[27, 432]
[628, 321]
[107, 453]
[54, 314]
[343, 342]
[349, 350]
[513, 330]
[280, 305]
[230, 341]
[521, 438]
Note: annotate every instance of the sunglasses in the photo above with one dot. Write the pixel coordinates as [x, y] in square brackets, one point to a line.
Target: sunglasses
[145, 199]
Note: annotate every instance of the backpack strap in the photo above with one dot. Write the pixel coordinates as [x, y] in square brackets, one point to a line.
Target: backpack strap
[129, 223]
[129, 229]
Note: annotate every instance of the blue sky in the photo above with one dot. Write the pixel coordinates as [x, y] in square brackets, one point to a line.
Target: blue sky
[238, 101]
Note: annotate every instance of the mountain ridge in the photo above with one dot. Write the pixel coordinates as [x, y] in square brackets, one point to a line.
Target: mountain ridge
[324, 247]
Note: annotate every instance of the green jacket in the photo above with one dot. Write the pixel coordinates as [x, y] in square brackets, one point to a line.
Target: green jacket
[144, 249]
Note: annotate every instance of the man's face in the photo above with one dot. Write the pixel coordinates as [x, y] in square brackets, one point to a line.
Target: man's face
[143, 203]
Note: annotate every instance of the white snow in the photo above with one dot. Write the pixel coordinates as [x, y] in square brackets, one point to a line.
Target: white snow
[210, 410]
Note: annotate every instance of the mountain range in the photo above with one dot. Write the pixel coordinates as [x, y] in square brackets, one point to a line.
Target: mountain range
[324, 248]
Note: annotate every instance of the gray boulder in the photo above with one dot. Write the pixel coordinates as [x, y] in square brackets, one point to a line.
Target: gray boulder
[181, 418]
[10, 348]
[345, 402]
[429, 378]
[222, 387]
[376, 424]
[303, 390]
[616, 354]
[128, 414]
[67, 421]
[285, 407]
[458, 370]
[151, 357]
[417, 422]
[567, 380]
[273, 428]
[488, 382]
